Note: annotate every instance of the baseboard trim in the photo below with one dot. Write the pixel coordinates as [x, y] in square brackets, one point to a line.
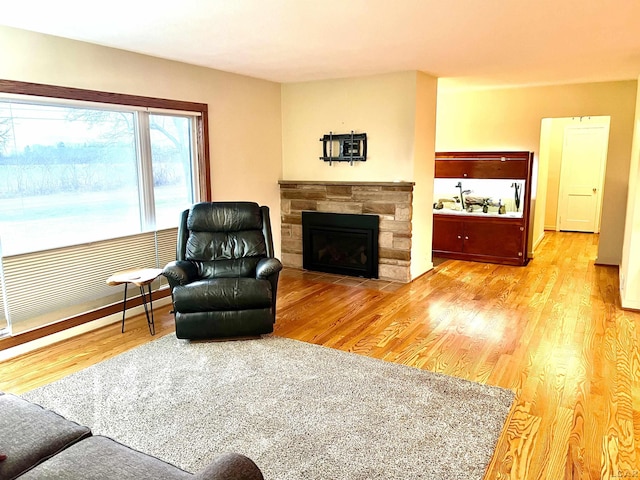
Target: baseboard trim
[536, 244]
[35, 344]
[89, 321]
[629, 304]
[611, 262]
[429, 269]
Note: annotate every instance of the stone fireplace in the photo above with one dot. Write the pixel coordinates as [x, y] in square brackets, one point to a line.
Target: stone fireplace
[391, 201]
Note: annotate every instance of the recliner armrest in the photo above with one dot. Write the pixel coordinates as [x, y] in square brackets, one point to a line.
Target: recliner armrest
[267, 267]
[230, 466]
[180, 272]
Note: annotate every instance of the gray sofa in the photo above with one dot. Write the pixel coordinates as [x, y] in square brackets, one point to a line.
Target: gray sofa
[36, 443]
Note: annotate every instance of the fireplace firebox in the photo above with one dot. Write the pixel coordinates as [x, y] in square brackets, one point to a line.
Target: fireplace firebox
[340, 243]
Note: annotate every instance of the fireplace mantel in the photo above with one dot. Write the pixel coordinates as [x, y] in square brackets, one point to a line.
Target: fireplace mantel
[391, 201]
[328, 182]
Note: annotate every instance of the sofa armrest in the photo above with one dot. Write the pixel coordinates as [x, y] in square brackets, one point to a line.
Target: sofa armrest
[230, 466]
[180, 272]
[267, 267]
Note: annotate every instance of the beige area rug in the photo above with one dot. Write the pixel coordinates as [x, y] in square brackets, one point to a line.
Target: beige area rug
[300, 411]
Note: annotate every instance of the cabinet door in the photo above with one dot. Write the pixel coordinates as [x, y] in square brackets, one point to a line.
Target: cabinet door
[447, 234]
[494, 239]
[485, 168]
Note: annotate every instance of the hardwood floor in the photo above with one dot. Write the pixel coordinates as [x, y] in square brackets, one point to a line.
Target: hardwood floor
[553, 332]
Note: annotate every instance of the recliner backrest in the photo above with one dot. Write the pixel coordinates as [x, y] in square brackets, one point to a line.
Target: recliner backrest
[225, 239]
[224, 217]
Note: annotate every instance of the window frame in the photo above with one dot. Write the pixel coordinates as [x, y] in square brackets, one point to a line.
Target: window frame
[202, 183]
[120, 99]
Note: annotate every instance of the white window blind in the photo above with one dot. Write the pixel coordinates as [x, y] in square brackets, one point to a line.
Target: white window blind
[3, 318]
[48, 286]
[166, 248]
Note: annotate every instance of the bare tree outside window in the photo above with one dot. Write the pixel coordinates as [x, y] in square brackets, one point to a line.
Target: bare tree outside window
[172, 172]
[73, 173]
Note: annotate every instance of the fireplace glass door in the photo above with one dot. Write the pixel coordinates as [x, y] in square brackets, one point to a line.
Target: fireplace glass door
[341, 243]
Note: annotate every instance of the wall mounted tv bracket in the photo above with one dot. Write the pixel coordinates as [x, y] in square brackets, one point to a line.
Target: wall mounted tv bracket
[352, 147]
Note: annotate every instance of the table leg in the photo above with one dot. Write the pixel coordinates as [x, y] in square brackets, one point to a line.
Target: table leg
[150, 319]
[124, 306]
[152, 327]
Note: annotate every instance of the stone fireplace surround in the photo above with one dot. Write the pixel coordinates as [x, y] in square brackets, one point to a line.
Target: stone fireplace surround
[392, 201]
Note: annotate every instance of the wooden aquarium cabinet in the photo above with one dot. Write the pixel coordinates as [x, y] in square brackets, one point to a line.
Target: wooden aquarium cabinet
[470, 229]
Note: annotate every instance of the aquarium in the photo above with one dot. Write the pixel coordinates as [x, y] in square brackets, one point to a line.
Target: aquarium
[478, 196]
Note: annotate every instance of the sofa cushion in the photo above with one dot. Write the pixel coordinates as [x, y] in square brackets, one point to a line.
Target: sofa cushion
[30, 434]
[101, 458]
[222, 294]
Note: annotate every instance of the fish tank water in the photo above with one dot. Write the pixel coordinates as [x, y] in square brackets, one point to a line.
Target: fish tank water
[478, 196]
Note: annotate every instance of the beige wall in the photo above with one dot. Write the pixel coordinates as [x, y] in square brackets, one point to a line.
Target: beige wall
[423, 171]
[244, 113]
[630, 266]
[542, 183]
[510, 119]
[382, 106]
[556, 139]
[397, 112]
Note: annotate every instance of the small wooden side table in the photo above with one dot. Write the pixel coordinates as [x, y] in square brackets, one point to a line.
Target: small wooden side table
[139, 277]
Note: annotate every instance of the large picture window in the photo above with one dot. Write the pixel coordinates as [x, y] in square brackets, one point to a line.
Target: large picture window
[90, 183]
[72, 175]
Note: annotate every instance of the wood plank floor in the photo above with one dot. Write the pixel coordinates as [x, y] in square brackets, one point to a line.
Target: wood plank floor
[553, 332]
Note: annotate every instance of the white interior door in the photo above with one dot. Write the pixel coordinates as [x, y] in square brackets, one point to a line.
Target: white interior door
[584, 156]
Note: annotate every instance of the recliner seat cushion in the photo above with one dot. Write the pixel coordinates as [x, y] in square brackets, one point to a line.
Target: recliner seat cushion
[222, 294]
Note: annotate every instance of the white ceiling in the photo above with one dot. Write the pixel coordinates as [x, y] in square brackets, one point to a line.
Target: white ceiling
[477, 42]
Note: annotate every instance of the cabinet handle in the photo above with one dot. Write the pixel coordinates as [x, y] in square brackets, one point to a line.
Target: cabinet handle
[459, 236]
[466, 238]
[464, 175]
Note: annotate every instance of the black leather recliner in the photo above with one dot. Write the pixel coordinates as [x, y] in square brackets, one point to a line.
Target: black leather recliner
[225, 277]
